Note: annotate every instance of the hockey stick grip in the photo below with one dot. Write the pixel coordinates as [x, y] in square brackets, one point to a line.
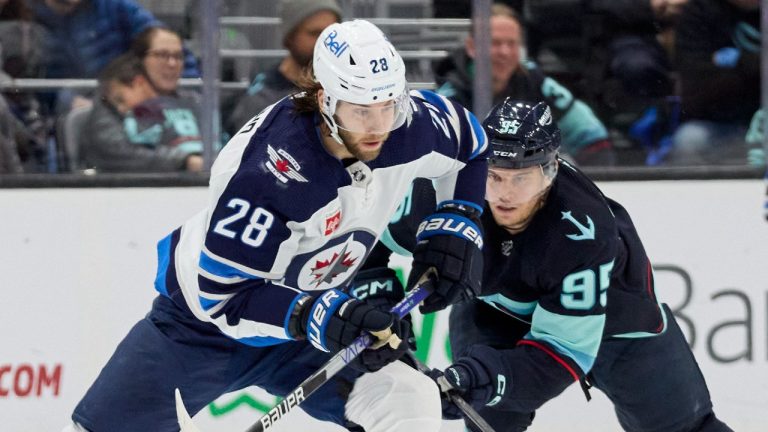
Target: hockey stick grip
[469, 412]
[337, 362]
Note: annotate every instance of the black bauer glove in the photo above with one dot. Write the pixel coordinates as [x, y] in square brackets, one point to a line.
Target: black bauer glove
[332, 321]
[480, 377]
[450, 241]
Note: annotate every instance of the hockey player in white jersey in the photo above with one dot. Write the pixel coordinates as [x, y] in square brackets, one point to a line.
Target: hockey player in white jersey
[252, 288]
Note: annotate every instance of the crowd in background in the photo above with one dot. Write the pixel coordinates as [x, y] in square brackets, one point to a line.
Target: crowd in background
[632, 82]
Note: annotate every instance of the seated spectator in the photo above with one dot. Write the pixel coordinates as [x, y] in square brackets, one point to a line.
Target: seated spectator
[302, 22]
[635, 56]
[10, 131]
[22, 56]
[135, 128]
[718, 52]
[585, 138]
[162, 53]
[85, 35]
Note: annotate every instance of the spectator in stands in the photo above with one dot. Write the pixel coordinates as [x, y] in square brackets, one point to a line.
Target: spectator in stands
[135, 128]
[10, 128]
[302, 22]
[585, 138]
[629, 31]
[756, 141]
[718, 53]
[85, 35]
[21, 56]
[162, 53]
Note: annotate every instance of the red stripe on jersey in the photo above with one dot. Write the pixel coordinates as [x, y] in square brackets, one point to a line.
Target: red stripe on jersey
[553, 355]
[652, 295]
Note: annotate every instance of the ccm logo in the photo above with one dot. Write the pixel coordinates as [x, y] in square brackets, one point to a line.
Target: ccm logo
[371, 288]
[452, 226]
[319, 311]
[504, 153]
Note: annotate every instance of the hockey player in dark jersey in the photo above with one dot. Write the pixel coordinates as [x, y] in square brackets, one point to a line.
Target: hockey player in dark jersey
[252, 288]
[567, 296]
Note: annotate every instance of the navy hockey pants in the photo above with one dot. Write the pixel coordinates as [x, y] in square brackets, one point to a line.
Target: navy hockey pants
[654, 383]
[170, 348]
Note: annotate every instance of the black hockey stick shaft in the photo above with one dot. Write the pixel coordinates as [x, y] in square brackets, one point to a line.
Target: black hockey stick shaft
[469, 413]
[419, 292]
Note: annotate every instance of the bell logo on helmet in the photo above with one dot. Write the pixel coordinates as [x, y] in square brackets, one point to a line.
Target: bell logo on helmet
[334, 47]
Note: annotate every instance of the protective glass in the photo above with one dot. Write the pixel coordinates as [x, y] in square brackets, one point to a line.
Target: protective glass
[378, 118]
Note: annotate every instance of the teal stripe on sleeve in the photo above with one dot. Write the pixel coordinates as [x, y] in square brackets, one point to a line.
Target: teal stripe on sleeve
[389, 241]
[516, 307]
[577, 337]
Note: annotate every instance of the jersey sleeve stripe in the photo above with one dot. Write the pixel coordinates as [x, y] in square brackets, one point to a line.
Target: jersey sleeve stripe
[524, 309]
[165, 279]
[225, 268]
[549, 352]
[163, 262]
[221, 279]
[208, 304]
[446, 106]
[479, 141]
[577, 337]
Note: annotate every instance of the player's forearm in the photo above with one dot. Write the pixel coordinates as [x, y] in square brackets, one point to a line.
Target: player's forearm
[254, 312]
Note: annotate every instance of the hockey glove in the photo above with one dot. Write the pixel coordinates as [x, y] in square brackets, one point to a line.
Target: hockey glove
[332, 321]
[379, 287]
[480, 377]
[450, 241]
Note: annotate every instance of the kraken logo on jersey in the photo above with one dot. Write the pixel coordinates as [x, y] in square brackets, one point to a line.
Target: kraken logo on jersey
[332, 267]
[585, 233]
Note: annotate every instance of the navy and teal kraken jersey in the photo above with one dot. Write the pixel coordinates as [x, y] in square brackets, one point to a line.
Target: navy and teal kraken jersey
[576, 274]
[286, 218]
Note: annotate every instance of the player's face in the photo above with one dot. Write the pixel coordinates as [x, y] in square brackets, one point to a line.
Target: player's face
[364, 128]
[514, 195]
[301, 44]
[363, 146]
[164, 61]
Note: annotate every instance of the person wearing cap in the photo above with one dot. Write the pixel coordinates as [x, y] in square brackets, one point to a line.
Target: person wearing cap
[254, 289]
[301, 24]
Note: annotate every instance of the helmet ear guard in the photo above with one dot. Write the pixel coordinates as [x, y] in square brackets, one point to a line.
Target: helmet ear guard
[522, 135]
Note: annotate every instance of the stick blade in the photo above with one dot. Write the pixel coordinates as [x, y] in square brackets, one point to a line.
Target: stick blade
[185, 421]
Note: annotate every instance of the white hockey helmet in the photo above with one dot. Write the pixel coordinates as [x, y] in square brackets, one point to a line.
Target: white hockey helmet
[356, 64]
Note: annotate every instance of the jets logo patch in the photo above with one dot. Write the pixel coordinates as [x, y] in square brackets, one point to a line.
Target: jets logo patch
[283, 166]
[332, 267]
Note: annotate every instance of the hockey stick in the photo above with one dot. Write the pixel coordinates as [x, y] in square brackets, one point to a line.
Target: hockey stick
[336, 363]
[445, 387]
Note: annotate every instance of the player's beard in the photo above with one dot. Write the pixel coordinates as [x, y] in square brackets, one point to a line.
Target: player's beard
[354, 142]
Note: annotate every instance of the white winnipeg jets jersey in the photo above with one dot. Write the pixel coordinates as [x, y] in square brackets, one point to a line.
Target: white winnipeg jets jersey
[286, 218]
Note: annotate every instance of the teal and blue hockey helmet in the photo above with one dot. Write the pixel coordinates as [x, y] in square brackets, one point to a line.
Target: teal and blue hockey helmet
[522, 134]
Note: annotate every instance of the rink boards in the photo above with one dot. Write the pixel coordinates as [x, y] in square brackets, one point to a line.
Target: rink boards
[78, 265]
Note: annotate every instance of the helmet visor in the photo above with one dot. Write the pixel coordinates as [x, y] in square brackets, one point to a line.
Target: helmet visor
[378, 118]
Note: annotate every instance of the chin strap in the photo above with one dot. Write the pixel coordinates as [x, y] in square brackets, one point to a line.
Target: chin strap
[332, 127]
